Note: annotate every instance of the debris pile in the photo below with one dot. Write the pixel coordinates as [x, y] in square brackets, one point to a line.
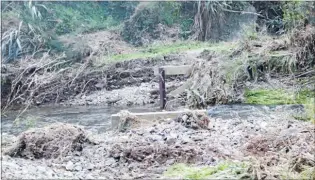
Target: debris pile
[273, 147]
[194, 120]
[50, 142]
[127, 120]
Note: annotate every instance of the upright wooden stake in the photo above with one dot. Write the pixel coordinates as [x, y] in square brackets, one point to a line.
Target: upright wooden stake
[162, 88]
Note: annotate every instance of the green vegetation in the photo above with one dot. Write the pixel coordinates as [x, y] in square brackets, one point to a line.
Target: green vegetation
[281, 96]
[308, 172]
[277, 96]
[149, 16]
[157, 50]
[309, 114]
[32, 27]
[294, 13]
[138, 21]
[235, 170]
[72, 16]
[29, 121]
[224, 170]
[165, 49]
[80, 17]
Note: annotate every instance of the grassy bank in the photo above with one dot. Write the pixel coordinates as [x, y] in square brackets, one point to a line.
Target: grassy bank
[166, 49]
[281, 96]
[277, 96]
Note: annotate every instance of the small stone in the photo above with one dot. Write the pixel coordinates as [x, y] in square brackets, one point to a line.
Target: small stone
[185, 117]
[170, 141]
[5, 158]
[186, 140]
[41, 169]
[152, 130]
[90, 167]
[70, 166]
[68, 174]
[110, 162]
[78, 168]
[89, 176]
[155, 138]
[196, 138]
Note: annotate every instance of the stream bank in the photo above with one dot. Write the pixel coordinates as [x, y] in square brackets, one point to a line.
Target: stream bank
[269, 136]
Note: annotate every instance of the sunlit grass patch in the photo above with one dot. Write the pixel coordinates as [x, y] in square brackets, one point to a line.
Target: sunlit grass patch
[224, 170]
[281, 96]
[269, 97]
[157, 50]
[277, 96]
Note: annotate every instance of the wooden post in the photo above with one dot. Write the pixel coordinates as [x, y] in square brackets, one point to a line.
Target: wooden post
[162, 88]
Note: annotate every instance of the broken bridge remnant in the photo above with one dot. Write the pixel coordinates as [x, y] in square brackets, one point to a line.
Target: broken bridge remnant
[152, 116]
[167, 71]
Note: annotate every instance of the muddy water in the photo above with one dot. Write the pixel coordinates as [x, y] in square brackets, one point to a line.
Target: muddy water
[97, 118]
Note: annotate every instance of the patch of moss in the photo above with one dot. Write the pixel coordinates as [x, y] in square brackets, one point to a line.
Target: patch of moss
[224, 170]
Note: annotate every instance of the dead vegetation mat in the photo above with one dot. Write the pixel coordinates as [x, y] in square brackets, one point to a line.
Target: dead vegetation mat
[220, 78]
[275, 147]
[53, 141]
[54, 79]
[275, 150]
[286, 155]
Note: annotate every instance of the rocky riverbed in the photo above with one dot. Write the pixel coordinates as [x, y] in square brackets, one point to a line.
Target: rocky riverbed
[273, 141]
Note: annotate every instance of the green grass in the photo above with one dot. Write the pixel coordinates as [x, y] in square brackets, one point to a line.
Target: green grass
[224, 170]
[158, 50]
[280, 97]
[277, 96]
[269, 97]
[165, 49]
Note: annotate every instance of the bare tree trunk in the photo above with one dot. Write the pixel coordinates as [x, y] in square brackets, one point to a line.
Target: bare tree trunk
[202, 21]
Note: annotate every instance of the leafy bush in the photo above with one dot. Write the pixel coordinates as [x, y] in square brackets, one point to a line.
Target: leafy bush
[76, 16]
[42, 22]
[294, 14]
[149, 15]
[119, 10]
[30, 36]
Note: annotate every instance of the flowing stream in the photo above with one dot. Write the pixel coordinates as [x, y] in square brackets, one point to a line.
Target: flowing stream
[98, 118]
